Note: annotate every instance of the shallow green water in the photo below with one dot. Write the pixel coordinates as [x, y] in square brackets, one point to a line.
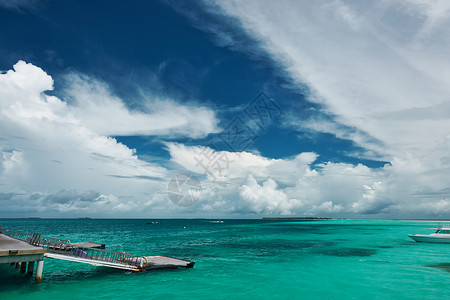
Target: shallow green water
[263, 259]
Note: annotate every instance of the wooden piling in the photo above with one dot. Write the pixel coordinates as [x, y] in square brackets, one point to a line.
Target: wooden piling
[23, 267]
[39, 269]
[30, 268]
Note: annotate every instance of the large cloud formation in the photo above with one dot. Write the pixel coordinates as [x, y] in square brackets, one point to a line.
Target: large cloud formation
[57, 160]
[250, 184]
[381, 71]
[58, 157]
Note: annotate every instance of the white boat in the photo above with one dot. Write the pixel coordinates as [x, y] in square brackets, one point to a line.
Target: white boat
[442, 235]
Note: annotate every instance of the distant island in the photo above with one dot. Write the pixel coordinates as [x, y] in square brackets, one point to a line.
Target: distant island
[295, 218]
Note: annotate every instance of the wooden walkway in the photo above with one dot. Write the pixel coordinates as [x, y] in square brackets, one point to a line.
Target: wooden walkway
[88, 245]
[22, 255]
[116, 264]
[89, 253]
[146, 263]
[18, 250]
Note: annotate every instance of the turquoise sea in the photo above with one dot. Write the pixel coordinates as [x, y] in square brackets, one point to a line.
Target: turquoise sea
[243, 259]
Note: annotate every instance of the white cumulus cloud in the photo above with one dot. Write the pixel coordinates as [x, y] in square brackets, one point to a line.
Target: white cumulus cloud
[47, 148]
[255, 184]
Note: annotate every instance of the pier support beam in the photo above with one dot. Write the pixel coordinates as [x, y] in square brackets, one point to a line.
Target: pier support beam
[39, 269]
[23, 267]
[30, 268]
[17, 265]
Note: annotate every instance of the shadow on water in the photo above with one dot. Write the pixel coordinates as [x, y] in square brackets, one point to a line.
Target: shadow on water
[279, 244]
[359, 252]
[11, 278]
[75, 275]
[443, 266]
[385, 247]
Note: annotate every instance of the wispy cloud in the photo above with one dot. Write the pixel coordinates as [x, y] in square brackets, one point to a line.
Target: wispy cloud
[21, 5]
[98, 108]
[362, 61]
[379, 73]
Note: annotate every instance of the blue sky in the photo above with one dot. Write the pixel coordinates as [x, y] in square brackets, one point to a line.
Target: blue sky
[103, 103]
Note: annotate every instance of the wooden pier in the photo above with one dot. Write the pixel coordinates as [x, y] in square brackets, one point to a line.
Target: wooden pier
[19, 247]
[144, 263]
[21, 254]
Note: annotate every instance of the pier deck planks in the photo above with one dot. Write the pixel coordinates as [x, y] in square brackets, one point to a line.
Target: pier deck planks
[12, 247]
[88, 245]
[165, 262]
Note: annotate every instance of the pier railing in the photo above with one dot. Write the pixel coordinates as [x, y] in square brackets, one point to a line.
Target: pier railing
[37, 240]
[104, 256]
[63, 247]
[18, 235]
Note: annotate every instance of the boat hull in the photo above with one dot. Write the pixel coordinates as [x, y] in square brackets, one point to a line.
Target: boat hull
[429, 239]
